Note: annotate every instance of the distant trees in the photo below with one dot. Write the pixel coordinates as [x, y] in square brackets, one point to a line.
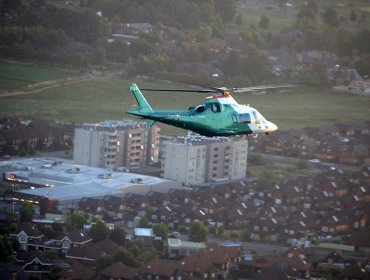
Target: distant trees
[330, 17]
[6, 249]
[264, 22]
[118, 235]
[253, 65]
[76, 220]
[198, 231]
[99, 231]
[226, 9]
[42, 30]
[306, 17]
[161, 230]
[26, 212]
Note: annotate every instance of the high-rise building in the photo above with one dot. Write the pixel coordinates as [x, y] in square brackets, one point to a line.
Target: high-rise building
[113, 144]
[195, 160]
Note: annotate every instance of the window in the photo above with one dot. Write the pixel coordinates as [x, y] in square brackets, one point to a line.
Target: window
[200, 109]
[216, 107]
[234, 118]
[245, 118]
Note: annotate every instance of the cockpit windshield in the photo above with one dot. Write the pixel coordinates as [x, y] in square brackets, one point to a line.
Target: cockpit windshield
[258, 118]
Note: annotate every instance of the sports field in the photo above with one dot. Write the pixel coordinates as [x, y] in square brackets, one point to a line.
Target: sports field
[14, 76]
[109, 98]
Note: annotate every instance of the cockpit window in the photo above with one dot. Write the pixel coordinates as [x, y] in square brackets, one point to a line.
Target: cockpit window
[200, 109]
[245, 118]
[216, 107]
[256, 118]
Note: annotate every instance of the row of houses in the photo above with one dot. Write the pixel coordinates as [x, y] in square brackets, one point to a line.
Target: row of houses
[33, 134]
[343, 143]
[328, 203]
[212, 261]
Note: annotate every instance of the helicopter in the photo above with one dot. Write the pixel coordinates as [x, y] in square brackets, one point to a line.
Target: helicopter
[218, 115]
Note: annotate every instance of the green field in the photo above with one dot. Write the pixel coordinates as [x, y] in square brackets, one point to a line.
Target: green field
[109, 98]
[14, 76]
[281, 18]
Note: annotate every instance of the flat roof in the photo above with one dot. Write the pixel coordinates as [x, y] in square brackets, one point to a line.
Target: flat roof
[65, 180]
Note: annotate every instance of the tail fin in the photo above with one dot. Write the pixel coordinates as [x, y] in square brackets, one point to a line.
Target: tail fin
[144, 106]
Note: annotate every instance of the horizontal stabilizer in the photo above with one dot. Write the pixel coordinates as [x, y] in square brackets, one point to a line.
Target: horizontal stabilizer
[149, 123]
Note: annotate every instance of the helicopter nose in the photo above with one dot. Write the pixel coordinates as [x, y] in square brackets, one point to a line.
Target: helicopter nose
[271, 127]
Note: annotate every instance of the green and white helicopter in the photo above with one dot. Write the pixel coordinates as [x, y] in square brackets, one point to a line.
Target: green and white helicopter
[219, 115]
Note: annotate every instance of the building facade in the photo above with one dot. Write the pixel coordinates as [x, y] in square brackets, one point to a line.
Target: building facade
[196, 160]
[113, 144]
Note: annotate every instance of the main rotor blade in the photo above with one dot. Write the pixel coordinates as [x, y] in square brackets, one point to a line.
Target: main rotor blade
[223, 89]
[181, 90]
[257, 88]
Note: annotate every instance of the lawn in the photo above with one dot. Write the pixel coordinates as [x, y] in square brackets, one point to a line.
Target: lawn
[109, 98]
[280, 18]
[14, 75]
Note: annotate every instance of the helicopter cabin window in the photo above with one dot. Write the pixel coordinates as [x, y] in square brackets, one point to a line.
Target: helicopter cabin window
[234, 118]
[200, 109]
[216, 107]
[245, 118]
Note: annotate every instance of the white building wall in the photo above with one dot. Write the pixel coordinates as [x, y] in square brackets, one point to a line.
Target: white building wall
[81, 148]
[109, 146]
[194, 164]
[184, 163]
[240, 156]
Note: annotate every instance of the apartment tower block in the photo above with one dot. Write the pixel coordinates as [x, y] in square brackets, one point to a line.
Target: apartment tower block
[195, 160]
[113, 144]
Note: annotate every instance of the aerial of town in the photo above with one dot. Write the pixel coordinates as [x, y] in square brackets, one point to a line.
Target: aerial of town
[97, 183]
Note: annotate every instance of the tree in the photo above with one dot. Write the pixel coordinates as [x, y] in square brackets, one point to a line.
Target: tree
[231, 66]
[140, 47]
[26, 212]
[99, 55]
[362, 41]
[6, 249]
[330, 17]
[161, 230]
[239, 19]
[353, 16]
[104, 261]
[302, 164]
[264, 22]
[306, 17]
[143, 222]
[246, 235]
[99, 231]
[198, 231]
[76, 221]
[126, 257]
[203, 33]
[118, 235]
[226, 9]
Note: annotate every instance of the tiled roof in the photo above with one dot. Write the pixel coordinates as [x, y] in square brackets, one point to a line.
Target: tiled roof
[159, 267]
[119, 270]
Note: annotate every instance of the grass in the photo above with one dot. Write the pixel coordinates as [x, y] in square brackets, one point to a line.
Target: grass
[14, 75]
[280, 18]
[109, 98]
